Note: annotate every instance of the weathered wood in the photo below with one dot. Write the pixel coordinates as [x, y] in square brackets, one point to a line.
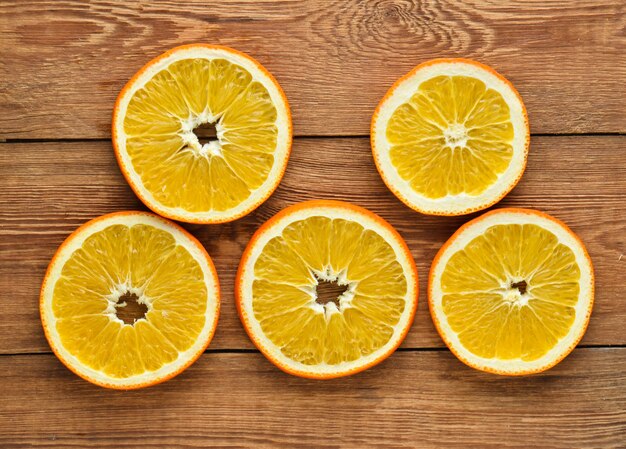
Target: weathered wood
[63, 62]
[414, 399]
[51, 188]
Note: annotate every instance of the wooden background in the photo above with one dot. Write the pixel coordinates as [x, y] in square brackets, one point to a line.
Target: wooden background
[62, 64]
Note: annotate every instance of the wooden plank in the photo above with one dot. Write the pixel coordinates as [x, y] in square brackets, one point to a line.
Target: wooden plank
[63, 62]
[51, 188]
[414, 399]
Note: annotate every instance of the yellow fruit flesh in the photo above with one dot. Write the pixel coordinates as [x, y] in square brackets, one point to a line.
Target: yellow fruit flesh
[169, 159]
[492, 317]
[139, 258]
[284, 291]
[454, 136]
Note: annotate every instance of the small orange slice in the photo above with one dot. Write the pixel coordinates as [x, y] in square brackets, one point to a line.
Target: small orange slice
[451, 137]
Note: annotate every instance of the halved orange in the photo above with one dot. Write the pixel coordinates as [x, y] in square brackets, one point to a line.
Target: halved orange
[155, 134]
[451, 137]
[122, 261]
[511, 291]
[283, 298]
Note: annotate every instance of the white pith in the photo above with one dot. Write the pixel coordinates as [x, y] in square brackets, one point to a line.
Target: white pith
[73, 243]
[115, 303]
[273, 351]
[344, 300]
[454, 134]
[212, 148]
[281, 152]
[582, 308]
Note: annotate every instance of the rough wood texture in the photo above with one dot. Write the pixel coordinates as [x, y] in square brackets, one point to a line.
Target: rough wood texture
[414, 399]
[63, 63]
[51, 188]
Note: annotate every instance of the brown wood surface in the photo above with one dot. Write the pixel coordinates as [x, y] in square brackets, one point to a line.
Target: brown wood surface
[413, 399]
[566, 176]
[62, 64]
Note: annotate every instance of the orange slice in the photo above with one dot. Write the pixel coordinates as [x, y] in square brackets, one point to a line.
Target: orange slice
[129, 300]
[326, 289]
[451, 137]
[156, 129]
[511, 291]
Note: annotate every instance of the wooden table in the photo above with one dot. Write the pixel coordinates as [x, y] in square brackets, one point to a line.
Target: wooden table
[62, 64]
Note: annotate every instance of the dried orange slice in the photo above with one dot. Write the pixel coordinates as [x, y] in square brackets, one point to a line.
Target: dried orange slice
[129, 300]
[511, 291]
[326, 289]
[156, 124]
[451, 137]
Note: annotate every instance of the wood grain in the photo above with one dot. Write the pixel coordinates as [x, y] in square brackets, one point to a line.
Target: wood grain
[414, 399]
[62, 63]
[51, 188]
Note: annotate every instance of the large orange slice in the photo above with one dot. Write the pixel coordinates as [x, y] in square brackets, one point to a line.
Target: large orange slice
[326, 289]
[129, 300]
[156, 123]
[511, 291]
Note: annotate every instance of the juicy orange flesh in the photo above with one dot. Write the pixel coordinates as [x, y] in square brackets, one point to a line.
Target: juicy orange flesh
[175, 173]
[283, 291]
[454, 136]
[141, 257]
[493, 319]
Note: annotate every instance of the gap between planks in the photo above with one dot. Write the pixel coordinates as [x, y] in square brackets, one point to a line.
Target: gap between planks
[303, 136]
[256, 351]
